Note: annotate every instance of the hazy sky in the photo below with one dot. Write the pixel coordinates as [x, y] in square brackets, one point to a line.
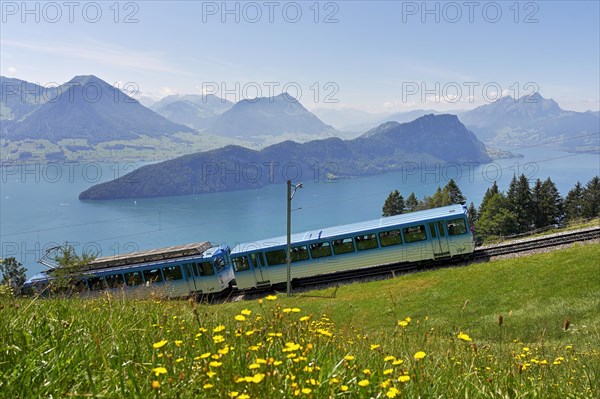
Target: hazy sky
[376, 55]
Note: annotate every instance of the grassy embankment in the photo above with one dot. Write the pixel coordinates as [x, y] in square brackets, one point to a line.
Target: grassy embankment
[518, 328]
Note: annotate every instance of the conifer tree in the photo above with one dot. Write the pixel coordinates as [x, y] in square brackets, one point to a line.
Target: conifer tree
[393, 205]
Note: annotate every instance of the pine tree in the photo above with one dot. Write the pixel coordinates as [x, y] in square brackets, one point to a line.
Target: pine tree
[574, 203]
[393, 205]
[520, 203]
[497, 219]
[456, 196]
[13, 274]
[591, 198]
[488, 194]
[412, 203]
[472, 214]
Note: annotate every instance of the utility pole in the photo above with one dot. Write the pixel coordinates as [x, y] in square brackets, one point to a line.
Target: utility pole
[290, 195]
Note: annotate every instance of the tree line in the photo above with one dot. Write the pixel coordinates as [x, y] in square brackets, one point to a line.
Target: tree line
[521, 209]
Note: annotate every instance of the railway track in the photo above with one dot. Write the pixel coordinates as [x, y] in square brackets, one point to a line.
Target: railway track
[480, 254]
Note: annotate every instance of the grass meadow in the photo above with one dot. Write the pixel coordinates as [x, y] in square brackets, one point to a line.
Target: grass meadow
[516, 328]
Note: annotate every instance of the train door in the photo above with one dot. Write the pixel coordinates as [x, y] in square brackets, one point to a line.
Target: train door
[261, 273]
[191, 272]
[439, 240]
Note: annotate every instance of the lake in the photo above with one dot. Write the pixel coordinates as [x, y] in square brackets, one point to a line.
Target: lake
[39, 207]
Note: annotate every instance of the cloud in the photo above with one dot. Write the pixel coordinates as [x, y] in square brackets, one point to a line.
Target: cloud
[99, 53]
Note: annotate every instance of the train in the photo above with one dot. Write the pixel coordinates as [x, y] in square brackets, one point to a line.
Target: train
[203, 268]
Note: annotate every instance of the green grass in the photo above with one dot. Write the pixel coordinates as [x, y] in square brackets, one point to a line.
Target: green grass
[358, 344]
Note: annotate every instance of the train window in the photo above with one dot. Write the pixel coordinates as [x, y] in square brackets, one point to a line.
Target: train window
[299, 253]
[432, 230]
[414, 233]
[366, 241]
[219, 264]
[320, 250]
[456, 227]
[153, 276]
[257, 259]
[343, 246]
[392, 237]
[240, 263]
[172, 273]
[441, 229]
[190, 269]
[115, 281]
[206, 269]
[96, 283]
[133, 278]
[275, 258]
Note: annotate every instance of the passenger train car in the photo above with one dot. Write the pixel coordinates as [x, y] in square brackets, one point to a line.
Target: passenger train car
[440, 233]
[178, 271]
[194, 269]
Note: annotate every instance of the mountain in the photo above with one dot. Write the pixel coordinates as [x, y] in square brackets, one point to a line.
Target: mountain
[88, 108]
[268, 116]
[195, 111]
[349, 119]
[532, 119]
[431, 138]
[18, 98]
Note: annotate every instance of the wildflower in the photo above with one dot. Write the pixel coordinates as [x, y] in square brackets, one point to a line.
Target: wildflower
[219, 328]
[258, 378]
[271, 297]
[233, 394]
[287, 310]
[155, 384]
[178, 342]
[208, 386]
[344, 388]
[389, 358]
[388, 371]
[306, 390]
[243, 396]
[404, 378]
[159, 344]
[295, 310]
[363, 383]
[525, 349]
[402, 323]
[374, 346]
[392, 392]
[246, 312]
[367, 371]
[397, 362]
[420, 355]
[464, 337]
[240, 317]
[349, 357]
[179, 360]
[159, 370]
[211, 374]
[218, 339]
[254, 366]
[205, 355]
[305, 318]
[215, 364]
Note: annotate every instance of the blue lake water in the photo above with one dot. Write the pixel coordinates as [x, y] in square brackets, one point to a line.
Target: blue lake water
[39, 207]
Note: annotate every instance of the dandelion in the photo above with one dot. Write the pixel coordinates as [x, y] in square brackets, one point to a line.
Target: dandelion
[367, 371]
[155, 384]
[389, 358]
[388, 371]
[215, 364]
[420, 355]
[240, 317]
[159, 370]
[287, 310]
[178, 343]
[305, 318]
[402, 323]
[404, 378]
[392, 392]
[159, 344]
[295, 310]
[246, 312]
[258, 378]
[205, 355]
[344, 388]
[374, 346]
[243, 396]
[464, 337]
[254, 366]
[219, 328]
[233, 394]
[218, 339]
[363, 383]
[349, 357]
[271, 297]
[179, 360]
[397, 362]
[211, 374]
[208, 386]
[306, 391]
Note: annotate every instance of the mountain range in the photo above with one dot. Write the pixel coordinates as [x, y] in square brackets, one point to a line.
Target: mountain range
[431, 138]
[193, 110]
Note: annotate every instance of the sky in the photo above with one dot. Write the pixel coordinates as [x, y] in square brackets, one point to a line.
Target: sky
[377, 56]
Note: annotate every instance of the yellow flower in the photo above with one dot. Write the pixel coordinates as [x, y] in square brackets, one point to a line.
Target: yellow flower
[159, 344]
[402, 323]
[397, 362]
[344, 388]
[305, 318]
[240, 317]
[211, 374]
[271, 297]
[258, 378]
[233, 394]
[404, 378]
[254, 366]
[363, 383]
[367, 371]
[295, 310]
[205, 355]
[159, 370]
[179, 360]
[287, 310]
[464, 337]
[375, 346]
[246, 312]
[208, 386]
[178, 342]
[349, 357]
[218, 339]
[389, 358]
[277, 362]
[219, 328]
[420, 355]
[155, 384]
[392, 392]
[215, 364]
[388, 371]
[306, 390]
[243, 396]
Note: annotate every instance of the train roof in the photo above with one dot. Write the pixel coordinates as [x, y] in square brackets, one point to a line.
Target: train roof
[152, 255]
[330, 232]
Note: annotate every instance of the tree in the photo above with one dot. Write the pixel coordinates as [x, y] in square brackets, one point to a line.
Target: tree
[13, 274]
[488, 194]
[547, 203]
[472, 214]
[412, 203]
[496, 219]
[393, 205]
[456, 196]
[591, 198]
[574, 202]
[70, 266]
[520, 203]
